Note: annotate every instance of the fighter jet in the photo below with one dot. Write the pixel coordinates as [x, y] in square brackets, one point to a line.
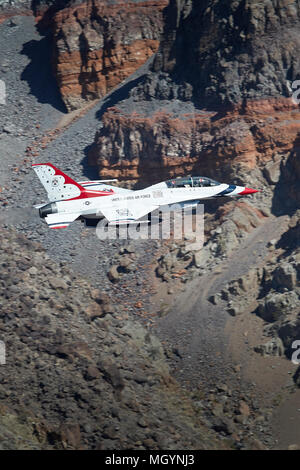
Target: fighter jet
[91, 201]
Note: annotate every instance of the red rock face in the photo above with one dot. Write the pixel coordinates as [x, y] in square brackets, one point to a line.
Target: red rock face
[130, 147]
[234, 63]
[98, 44]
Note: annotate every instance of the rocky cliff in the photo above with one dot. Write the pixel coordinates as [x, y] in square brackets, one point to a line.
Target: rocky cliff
[152, 148]
[218, 94]
[219, 53]
[97, 44]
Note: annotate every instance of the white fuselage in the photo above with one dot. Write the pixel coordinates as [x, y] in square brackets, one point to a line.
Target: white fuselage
[156, 195]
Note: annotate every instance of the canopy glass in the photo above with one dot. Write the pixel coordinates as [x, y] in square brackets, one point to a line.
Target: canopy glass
[191, 182]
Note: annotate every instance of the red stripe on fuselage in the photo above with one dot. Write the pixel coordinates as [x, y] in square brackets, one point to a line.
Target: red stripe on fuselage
[87, 194]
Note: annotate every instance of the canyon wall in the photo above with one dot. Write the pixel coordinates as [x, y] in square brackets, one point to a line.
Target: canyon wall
[152, 148]
[225, 69]
[223, 52]
[98, 44]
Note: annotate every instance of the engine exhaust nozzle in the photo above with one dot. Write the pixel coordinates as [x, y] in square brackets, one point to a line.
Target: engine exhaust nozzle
[47, 210]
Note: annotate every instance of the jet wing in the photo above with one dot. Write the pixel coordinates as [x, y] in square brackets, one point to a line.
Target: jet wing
[125, 213]
[61, 220]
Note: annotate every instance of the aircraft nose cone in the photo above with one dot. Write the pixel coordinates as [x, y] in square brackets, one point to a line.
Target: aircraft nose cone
[248, 191]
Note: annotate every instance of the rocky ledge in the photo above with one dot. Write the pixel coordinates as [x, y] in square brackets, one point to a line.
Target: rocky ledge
[97, 44]
[162, 145]
[218, 53]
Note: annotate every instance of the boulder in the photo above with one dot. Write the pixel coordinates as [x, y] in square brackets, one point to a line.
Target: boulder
[285, 276]
[274, 347]
[126, 264]
[70, 435]
[113, 274]
[223, 424]
[57, 283]
[201, 258]
[296, 377]
[272, 172]
[289, 331]
[234, 311]
[276, 305]
[244, 409]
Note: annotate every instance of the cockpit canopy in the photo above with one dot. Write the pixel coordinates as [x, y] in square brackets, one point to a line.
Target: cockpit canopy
[191, 182]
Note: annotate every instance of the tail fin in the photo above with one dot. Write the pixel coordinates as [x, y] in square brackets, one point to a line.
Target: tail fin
[57, 185]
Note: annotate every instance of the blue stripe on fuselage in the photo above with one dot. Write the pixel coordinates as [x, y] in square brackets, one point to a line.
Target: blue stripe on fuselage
[229, 190]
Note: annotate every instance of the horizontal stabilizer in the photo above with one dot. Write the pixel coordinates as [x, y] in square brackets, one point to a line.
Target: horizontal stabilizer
[61, 220]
